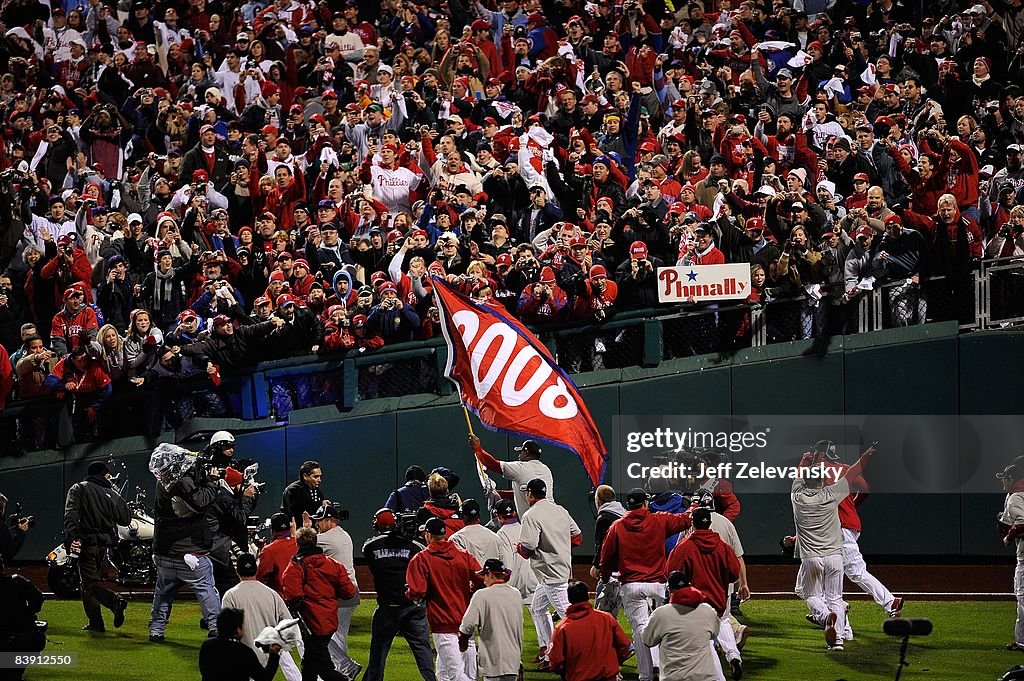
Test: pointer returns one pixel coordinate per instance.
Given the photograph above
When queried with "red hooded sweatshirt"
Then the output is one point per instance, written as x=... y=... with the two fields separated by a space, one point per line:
x=635 y=545
x=588 y=645
x=710 y=564
x=445 y=576
x=274 y=559
x=320 y=582
x=848 y=517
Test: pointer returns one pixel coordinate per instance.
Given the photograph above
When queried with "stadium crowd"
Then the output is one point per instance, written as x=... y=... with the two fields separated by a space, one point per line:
x=191 y=188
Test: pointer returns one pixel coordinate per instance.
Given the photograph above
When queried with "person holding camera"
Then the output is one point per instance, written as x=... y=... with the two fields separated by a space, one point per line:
x=228 y=517
x=636 y=278
x=12 y=536
x=313 y=583
x=388 y=554
x=70 y=267
x=116 y=296
x=337 y=544
x=182 y=542
x=1009 y=240
x=393 y=319
x=543 y=302
x=92 y=512
x=20 y=601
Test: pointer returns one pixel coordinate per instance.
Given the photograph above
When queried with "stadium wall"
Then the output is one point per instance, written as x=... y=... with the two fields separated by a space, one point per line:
x=921 y=370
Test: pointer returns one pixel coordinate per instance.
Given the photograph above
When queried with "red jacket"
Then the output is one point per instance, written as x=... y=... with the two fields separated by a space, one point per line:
x=445 y=576
x=726 y=501
x=635 y=545
x=859 y=488
x=588 y=645
x=585 y=306
x=319 y=582
x=449 y=515
x=710 y=564
x=74 y=331
x=80 y=271
x=274 y=559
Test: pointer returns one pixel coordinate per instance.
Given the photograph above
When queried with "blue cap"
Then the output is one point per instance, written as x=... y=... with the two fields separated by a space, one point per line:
x=114 y=260
x=99 y=210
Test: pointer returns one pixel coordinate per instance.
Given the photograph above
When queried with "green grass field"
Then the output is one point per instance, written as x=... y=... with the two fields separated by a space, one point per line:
x=968 y=643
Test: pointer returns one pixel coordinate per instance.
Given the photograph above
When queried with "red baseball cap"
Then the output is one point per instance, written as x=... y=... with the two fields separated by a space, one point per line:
x=754 y=225
x=638 y=250
x=861 y=177
x=547 y=276
x=386 y=287
x=503 y=260
x=598 y=272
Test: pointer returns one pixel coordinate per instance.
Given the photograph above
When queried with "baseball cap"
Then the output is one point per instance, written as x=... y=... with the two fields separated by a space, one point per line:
x=328 y=511
x=861 y=177
x=828 y=448
x=470 y=509
x=434 y=526
x=246 y=565
x=1013 y=472
x=636 y=498
x=638 y=251
x=536 y=487
x=505 y=507
x=221 y=320
x=863 y=231
x=494 y=565
x=530 y=446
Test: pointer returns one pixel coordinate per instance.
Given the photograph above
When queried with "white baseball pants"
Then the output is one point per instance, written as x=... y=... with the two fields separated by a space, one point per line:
x=857 y=570
x=548 y=596
x=639 y=599
x=452 y=663
x=1018 y=589
x=822 y=586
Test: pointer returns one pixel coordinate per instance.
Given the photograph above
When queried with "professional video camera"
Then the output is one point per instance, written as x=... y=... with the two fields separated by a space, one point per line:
x=408 y=526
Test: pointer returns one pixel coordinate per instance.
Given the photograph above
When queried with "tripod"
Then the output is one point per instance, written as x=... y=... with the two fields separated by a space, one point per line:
x=903 y=657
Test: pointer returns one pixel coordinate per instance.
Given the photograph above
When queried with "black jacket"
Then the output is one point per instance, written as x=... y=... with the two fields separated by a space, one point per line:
x=228 y=516
x=388 y=556
x=20 y=600
x=175 y=536
x=230 y=352
x=228 y=659
x=299 y=497
x=92 y=511
x=194 y=160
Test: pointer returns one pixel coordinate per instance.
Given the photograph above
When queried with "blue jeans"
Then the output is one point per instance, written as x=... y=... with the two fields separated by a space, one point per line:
x=171 y=575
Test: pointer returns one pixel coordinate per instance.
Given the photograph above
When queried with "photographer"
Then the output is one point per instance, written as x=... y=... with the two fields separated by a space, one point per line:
x=116 y=295
x=12 y=534
x=543 y=302
x=387 y=555
x=70 y=268
x=227 y=658
x=228 y=517
x=1009 y=240
x=636 y=279
x=393 y=319
x=182 y=541
x=92 y=512
x=20 y=601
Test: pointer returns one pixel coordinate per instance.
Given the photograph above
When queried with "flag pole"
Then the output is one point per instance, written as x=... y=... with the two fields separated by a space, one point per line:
x=479 y=466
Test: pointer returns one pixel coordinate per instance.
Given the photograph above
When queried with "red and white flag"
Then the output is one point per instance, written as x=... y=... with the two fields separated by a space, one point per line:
x=507 y=377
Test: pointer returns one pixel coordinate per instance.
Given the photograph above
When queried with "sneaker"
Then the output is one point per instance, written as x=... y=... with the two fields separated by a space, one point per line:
x=544 y=665
x=203 y=625
x=810 y=618
x=741 y=640
x=737 y=669
x=541 y=655
x=122 y=605
x=1014 y=646
x=98 y=628
x=156 y=638
x=837 y=647
x=897 y=607
x=831 y=635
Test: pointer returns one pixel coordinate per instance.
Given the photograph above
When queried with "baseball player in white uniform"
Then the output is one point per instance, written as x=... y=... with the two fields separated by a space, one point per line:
x=819 y=543
x=1011 y=526
x=547 y=536
x=528 y=467
x=853 y=562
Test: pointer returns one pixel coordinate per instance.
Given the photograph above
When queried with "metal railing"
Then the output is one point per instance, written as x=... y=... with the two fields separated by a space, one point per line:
x=989 y=296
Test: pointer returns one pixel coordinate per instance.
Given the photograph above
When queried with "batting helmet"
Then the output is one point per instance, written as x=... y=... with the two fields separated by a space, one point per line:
x=384 y=520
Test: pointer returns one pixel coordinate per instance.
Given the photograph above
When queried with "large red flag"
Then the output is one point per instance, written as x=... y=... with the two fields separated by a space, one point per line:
x=507 y=377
